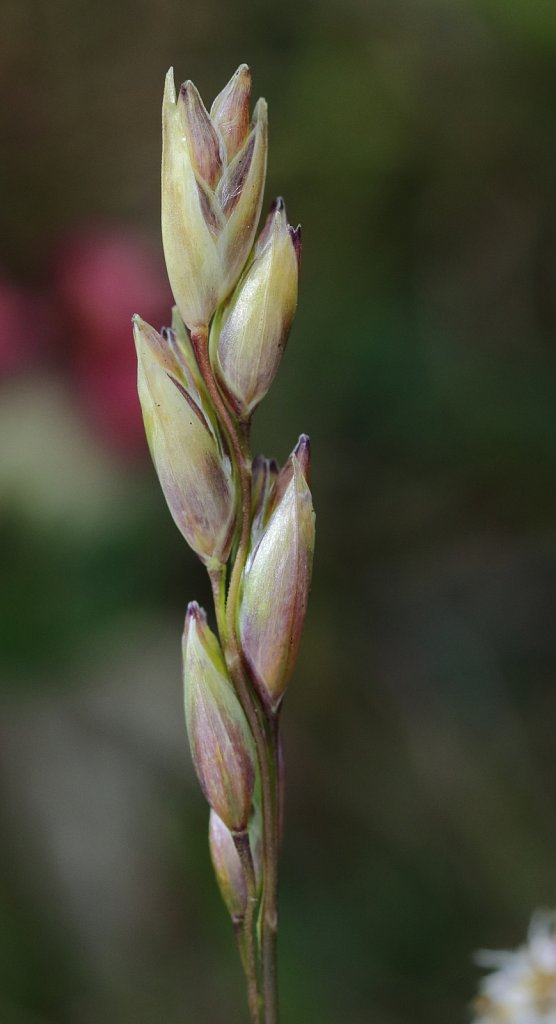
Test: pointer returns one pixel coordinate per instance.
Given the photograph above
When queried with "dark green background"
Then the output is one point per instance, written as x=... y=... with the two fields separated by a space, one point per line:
x=414 y=140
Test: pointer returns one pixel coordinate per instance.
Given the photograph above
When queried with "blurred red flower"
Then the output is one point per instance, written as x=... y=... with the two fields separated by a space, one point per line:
x=25 y=327
x=101 y=277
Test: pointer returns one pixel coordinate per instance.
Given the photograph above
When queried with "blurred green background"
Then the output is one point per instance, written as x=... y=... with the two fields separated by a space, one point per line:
x=414 y=140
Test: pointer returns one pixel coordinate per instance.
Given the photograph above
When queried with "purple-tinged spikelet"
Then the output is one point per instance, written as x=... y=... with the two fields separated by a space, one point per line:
x=249 y=336
x=221 y=743
x=276 y=583
x=194 y=470
x=213 y=173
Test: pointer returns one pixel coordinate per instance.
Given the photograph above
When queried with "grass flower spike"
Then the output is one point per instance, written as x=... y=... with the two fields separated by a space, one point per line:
x=227 y=864
x=227 y=868
x=276 y=589
x=221 y=744
x=248 y=340
x=213 y=172
x=194 y=470
x=251 y=523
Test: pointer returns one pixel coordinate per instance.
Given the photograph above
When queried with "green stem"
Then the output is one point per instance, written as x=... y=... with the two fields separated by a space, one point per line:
x=218 y=583
x=227 y=626
x=269 y=920
x=248 y=936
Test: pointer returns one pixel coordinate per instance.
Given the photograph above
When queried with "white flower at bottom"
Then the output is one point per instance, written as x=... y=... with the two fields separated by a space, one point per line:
x=522 y=987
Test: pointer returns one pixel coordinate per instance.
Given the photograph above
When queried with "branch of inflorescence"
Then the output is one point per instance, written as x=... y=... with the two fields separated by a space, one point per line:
x=263 y=725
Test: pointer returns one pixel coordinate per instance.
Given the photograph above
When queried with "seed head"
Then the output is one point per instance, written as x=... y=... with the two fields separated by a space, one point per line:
x=227 y=865
x=221 y=743
x=276 y=583
x=249 y=337
x=227 y=868
x=213 y=172
x=187 y=450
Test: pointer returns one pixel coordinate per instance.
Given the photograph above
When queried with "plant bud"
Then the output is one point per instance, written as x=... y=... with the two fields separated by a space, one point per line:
x=275 y=589
x=302 y=453
x=213 y=172
x=230 y=111
x=270 y=484
x=249 y=337
x=227 y=868
x=189 y=246
x=221 y=743
x=240 y=196
x=194 y=470
x=227 y=865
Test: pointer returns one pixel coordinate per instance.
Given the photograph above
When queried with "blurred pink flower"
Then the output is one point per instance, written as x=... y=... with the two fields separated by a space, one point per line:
x=25 y=327
x=101 y=277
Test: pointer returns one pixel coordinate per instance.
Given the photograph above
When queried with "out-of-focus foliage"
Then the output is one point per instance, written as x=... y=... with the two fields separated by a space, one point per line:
x=415 y=141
